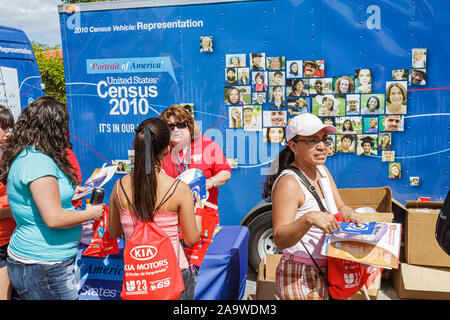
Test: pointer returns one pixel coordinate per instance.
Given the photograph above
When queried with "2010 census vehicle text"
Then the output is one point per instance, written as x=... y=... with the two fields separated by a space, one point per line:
x=127 y=61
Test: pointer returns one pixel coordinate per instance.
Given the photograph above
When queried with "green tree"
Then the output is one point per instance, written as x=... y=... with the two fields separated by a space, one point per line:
x=51 y=66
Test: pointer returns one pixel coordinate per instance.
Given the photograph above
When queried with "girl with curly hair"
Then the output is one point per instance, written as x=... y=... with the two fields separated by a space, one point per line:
x=41 y=183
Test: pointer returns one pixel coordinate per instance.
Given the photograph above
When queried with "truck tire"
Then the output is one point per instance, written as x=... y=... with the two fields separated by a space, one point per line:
x=260 y=241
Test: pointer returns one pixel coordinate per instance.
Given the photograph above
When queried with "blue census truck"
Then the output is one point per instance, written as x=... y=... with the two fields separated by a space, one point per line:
x=383 y=64
x=20 y=80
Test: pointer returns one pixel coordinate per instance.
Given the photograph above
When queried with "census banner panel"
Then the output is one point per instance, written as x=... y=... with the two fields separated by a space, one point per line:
x=125 y=65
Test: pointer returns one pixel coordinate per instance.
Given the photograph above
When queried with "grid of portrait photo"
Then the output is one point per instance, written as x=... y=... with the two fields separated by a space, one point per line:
x=263 y=92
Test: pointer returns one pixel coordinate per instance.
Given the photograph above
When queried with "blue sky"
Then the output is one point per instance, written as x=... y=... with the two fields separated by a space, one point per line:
x=38 y=18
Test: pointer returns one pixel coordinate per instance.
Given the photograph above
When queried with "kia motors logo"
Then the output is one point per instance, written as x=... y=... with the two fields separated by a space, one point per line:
x=144 y=252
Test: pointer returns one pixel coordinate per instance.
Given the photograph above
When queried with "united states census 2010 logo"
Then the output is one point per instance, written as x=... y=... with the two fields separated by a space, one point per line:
x=144 y=252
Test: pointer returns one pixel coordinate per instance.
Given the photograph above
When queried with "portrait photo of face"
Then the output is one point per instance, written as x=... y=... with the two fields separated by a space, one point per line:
x=313 y=68
x=370 y=124
x=276 y=78
x=331 y=145
x=418 y=77
x=252 y=115
x=236 y=60
x=345 y=143
x=419 y=57
x=363 y=81
x=275 y=63
x=259 y=98
x=344 y=84
x=257 y=61
x=396 y=96
x=400 y=74
x=367 y=145
x=414 y=181
x=329 y=121
x=276 y=97
x=328 y=105
x=390 y=123
x=298 y=106
x=294 y=69
x=349 y=125
x=123 y=166
x=273 y=135
x=243 y=76
x=260 y=81
x=232 y=95
x=231 y=76
x=352 y=104
x=395 y=170
x=297 y=87
x=384 y=140
x=235 y=116
x=206 y=44
x=372 y=104
x=274 y=118
x=388 y=156
x=320 y=86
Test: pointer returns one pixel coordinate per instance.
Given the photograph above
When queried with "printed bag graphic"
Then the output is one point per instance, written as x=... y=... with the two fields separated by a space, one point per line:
x=101 y=243
x=151 y=270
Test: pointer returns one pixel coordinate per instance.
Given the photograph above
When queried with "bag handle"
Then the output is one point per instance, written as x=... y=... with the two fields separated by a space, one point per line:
x=313 y=191
x=309 y=186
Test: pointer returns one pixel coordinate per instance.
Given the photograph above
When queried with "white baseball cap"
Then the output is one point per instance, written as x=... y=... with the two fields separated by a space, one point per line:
x=306 y=125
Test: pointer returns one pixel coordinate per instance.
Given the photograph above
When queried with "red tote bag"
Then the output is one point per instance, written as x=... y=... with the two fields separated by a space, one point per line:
x=101 y=243
x=151 y=269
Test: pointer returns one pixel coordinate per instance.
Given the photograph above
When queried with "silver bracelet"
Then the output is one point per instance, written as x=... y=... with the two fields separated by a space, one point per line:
x=213 y=181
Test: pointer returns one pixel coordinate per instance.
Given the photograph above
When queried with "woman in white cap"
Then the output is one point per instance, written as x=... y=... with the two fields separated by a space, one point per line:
x=329 y=105
x=298 y=222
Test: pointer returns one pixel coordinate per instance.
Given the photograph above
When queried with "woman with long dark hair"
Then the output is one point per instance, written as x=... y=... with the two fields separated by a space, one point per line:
x=156 y=197
x=41 y=183
x=298 y=222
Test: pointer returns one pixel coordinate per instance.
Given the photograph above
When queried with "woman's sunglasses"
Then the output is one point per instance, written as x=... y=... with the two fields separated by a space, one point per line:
x=179 y=125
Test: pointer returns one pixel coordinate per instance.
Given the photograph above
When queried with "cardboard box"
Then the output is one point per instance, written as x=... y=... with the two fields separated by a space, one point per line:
x=421 y=246
x=265 y=281
x=419 y=282
x=379 y=199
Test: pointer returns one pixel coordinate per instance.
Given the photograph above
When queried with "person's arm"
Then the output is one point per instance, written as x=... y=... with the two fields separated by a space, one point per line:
x=188 y=221
x=346 y=212
x=115 y=227
x=221 y=171
x=45 y=193
x=287 y=197
x=218 y=180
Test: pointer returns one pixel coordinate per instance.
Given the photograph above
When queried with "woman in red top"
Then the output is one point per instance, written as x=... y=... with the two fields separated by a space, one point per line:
x=7 y=223
x=190 y=149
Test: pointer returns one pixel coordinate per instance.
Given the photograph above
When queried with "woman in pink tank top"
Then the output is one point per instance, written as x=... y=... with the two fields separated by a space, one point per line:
x=298 y=222
x=156 y=198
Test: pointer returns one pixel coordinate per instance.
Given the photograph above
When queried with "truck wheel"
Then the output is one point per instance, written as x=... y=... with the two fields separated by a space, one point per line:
x=260 y=241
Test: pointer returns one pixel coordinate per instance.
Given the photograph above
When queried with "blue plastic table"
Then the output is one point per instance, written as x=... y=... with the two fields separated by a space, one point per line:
x=222 y=275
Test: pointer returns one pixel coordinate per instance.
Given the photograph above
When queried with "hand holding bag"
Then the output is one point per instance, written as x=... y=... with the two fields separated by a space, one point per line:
x=101 y=243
